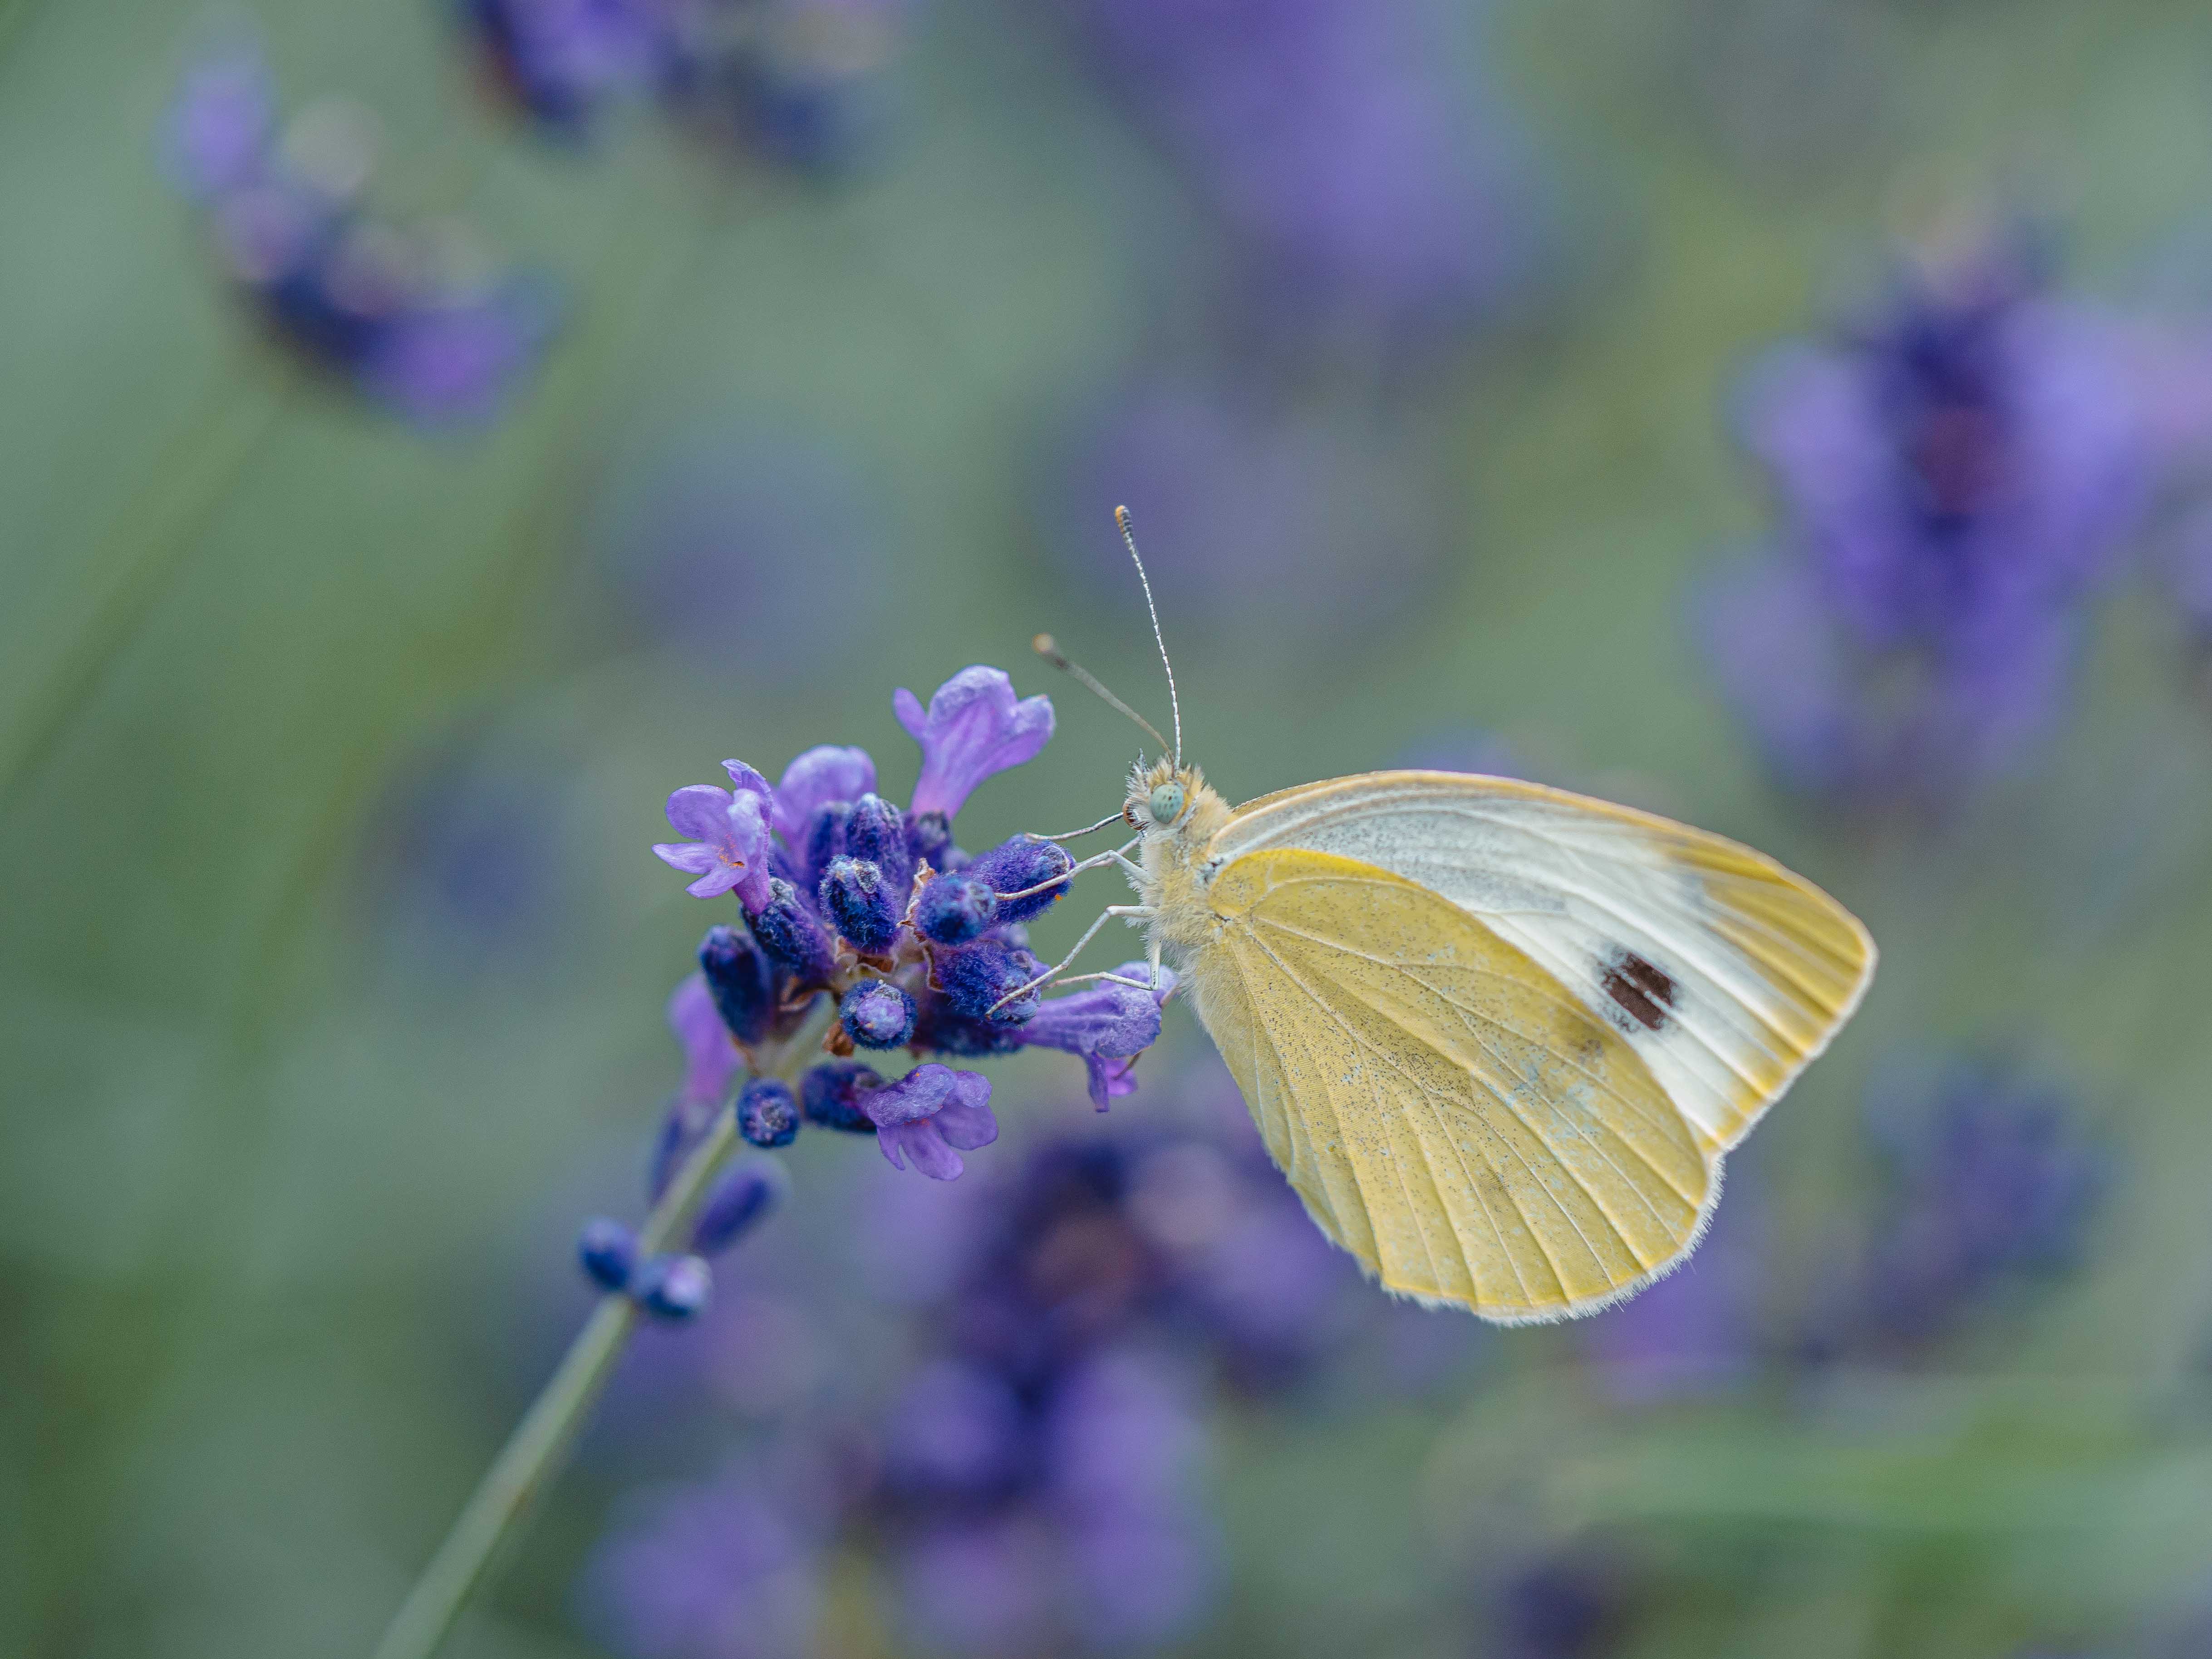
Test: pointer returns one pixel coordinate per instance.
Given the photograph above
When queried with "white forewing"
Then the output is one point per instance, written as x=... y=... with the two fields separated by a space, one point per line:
x=1724 y=971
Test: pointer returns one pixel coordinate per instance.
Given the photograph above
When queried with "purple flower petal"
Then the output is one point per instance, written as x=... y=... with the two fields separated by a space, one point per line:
x=743 y=778
x=1109 y=1019
x=729 y=843
x=968 y=1127
x=221 y=123
x=1108 y=1026
x=709 y=1056
x=924 y=1145
x=445 y=364
x=927 y=1113
x=921 y=1093
x=822 y=774
x=973 y=728
x=1108 y=1080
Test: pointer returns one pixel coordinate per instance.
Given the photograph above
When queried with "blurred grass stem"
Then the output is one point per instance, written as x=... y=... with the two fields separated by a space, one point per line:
x=132 y=565
x=539 y=1446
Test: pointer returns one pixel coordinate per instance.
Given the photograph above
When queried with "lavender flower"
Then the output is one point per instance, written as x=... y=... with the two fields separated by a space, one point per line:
x=739 y=1201
x=833 y=1096
x=930 y=1116
x=844 y=913
x=741 y=981
x=1109 y=1026
x=563 y=60
x=954 y=910
x=1034 y=1486
x=768 y=1113
x=729 y=841
x=1956 y=478
x=798 y=81
x=815 y=779
x=710 y=1058
x=877 y=1014
x=973 y=728
x=417 y=319
x=718 y=1571
x=1696 y=1331
x=791 y=80
x=1994 y=1184
x=221 y=123
x=1367 y=188
x=607 y=1251
x=674 y=1288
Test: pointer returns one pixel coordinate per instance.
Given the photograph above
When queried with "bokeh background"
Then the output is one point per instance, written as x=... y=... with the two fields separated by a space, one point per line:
x=428 y=437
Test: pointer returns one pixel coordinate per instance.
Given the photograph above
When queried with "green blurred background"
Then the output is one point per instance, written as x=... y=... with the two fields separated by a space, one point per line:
x=293 y=1155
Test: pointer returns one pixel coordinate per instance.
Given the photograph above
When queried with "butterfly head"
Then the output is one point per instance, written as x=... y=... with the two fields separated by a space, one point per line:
x=1165 y=799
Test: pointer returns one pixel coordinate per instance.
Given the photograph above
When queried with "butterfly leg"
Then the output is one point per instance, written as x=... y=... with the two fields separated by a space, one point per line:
x=1095 y=861
x=1061 y=967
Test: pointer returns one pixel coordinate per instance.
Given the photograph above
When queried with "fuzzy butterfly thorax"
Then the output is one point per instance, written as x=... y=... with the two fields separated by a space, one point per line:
x=1173 y=887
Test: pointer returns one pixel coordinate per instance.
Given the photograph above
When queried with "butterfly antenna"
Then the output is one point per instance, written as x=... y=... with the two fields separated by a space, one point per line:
x=1175 y=706
x=1046 y=647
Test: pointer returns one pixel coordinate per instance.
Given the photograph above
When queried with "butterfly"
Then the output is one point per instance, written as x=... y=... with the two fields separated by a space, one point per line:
x=1498 y=1036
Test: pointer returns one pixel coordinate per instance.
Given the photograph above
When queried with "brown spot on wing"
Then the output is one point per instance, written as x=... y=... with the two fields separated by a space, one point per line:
x=1644 y=991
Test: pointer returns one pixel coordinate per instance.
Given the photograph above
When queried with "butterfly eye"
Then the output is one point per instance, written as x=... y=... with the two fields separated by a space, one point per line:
x=1166 y=803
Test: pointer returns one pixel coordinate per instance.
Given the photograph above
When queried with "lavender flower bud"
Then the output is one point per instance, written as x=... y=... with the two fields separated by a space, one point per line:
x=767 y=1112
x=929 y=836
x=788 y=931
x=877 y=1014
x=740 y=980
x=858 y=903
x=833 y=1093
x=976 y=975
x=608 y=1251
x=954 y=909
x=824 y=838
x=741 y=1201
x=673 y=1287
x=876 y=832
x=1016 y=865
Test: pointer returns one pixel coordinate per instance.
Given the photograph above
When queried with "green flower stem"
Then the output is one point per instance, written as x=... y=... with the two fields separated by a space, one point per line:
x=540 y=1444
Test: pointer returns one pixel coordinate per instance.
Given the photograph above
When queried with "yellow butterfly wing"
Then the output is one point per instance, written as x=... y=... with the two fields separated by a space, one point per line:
x=1449 y=1112
x=1501 y=1035
x=1724 y=971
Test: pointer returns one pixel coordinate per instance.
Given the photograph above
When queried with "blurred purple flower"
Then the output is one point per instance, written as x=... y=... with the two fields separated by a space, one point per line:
x=1570 y=1604
x=1955 y=479
x=1122 y=1443
x=954 y=1428
x=728 y=847
x=415 y=319
x=221 y=122
x=930 y=1116
x=1371 y=180
x=454 y=362
x=1996 y=1182
x=798 y=81
x=794 y=80
x=561 y=59
x=981 y=1585
x=1697 y=1330
x=973 y=727
x=711 y=1571
x=710 y=1057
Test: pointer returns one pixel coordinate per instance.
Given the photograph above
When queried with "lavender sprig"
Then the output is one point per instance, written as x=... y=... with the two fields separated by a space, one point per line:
x=832 y=950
